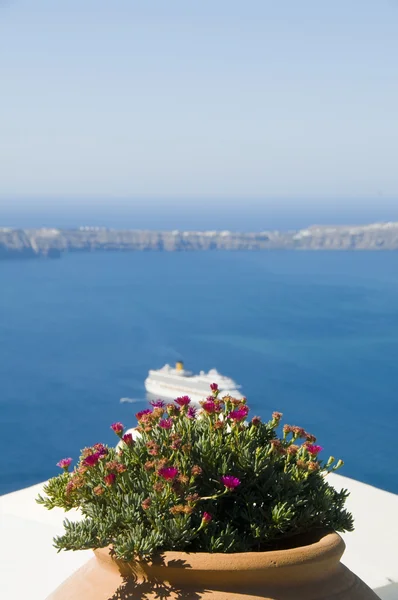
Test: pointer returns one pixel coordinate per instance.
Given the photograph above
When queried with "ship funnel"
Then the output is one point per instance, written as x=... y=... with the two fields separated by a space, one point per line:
x=179 y=366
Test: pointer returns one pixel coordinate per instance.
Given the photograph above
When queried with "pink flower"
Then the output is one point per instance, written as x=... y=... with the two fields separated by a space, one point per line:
x=230 y=482
x=157 y=403
x=209 y=406
x=206 y=518
x=166 y=423
x=118 y=428
x=64 y=463
x=214 y=388
x=142 y=413
x=313 y=448
x=168 y=473
x=191 y=412
x=101 y=449
x=110 y=479
x=128 y=439
x=183 y=401
x=239 y=414
x=277 y=416
x=92 y=460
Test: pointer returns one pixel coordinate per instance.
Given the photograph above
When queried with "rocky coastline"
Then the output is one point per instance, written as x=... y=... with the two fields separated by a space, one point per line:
x=52 y=243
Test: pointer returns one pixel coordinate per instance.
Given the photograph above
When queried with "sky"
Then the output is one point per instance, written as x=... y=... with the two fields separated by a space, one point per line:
x=256 y=104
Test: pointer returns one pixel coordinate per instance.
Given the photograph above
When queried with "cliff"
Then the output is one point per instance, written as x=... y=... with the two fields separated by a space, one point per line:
x=31 y=243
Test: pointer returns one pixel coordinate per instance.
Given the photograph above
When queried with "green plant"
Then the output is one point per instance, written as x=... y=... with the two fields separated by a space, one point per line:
x=206 y=482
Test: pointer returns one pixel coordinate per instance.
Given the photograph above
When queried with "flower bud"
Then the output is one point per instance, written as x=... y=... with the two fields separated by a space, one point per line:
x=339 y=464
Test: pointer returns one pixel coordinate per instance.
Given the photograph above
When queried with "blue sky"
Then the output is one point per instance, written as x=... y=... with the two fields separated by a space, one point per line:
x=276 y=102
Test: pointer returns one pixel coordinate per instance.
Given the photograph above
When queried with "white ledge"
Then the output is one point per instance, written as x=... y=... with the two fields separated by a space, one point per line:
x=27 y=530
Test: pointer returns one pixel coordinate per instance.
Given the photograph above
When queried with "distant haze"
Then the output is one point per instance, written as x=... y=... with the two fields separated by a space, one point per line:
x=166 y=214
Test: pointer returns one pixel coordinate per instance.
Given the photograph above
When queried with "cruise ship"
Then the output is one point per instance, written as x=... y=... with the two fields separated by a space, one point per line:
x=172 y=382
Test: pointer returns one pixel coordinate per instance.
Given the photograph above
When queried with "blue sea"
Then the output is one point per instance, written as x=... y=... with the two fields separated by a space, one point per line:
x=311 y=334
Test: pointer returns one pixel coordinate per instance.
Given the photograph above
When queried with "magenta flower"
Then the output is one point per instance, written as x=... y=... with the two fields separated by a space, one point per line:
x=191 y=412
x=230 y=482
x=209 y=406
x=183 y=401
x=101 y=449
x=168 y=473
x=206 y=518
x=239 y=414
x=128 y=439
x=314 y=449
x=64 y=463
x=118 y=428
x=166 y=423
x=157 y=403
x=92 y=459
x=110 y=479
x=214 y=388
x=142 y=413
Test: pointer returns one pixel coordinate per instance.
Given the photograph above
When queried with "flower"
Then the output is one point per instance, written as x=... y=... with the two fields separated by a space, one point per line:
x=99 y=490
x=146 y=503
x=276 y=416
x=153 y=448
x=64 y=463
x=118 y=428
x=109 y=479
x=157 y=403
x=183 y=401
x=74 y=483
x=176 y=444
x=313 y=466
x=168 y=473
x=206 y=518
x=299 y=432
x=239 y=414
x=191 y=412
x=278 y=446
x=101 y=449
x=230 y=482
x=196 y=470
x=313 y=448
x=209 y=406
x=128 y=439
x=92 y=459
x=214 y=388
x=142 y=413
x=157 y=413
x=256 y=421
x=166 y=423
x=177 y=510
x=114 y=465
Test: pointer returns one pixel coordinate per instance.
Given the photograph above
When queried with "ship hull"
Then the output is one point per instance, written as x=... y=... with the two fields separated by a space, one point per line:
x=173 y=390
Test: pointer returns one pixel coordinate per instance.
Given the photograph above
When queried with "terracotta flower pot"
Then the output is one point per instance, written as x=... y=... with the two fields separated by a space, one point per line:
x=309 y=572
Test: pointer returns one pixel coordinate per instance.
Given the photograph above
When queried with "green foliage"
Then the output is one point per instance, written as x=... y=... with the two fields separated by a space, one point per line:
x=164 y=489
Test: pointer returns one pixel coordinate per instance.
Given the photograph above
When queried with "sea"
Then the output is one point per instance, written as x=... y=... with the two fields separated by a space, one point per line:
x=311 y=334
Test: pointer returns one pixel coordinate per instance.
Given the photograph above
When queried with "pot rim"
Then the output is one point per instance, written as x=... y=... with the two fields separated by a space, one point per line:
x=328 y=548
